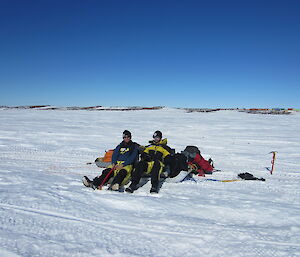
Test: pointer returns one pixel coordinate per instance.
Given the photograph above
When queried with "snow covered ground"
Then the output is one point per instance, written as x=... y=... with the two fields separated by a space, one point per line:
x=46 y=211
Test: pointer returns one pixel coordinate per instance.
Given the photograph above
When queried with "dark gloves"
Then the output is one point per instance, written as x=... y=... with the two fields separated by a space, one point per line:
x=146 y=157
x=249 y=176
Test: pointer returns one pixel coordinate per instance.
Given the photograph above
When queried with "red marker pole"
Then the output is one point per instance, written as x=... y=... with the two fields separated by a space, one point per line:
x=273 y=161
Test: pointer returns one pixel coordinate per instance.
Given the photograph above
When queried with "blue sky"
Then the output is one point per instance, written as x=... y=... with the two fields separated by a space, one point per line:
x=148 y=53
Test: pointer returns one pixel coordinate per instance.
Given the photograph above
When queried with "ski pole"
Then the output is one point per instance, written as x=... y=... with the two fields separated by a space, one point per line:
x=273 y=161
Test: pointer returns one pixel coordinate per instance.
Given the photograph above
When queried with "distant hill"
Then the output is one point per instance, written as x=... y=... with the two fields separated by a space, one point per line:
x=137 y=108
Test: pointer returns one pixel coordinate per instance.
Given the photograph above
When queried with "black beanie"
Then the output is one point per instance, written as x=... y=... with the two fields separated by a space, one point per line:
x=126 y=133
x=157 y=133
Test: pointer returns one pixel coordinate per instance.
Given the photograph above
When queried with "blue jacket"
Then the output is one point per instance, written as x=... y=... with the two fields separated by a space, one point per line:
x=125 y=152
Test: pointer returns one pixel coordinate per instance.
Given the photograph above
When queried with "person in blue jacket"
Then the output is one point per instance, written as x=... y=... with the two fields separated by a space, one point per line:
x=123 y=159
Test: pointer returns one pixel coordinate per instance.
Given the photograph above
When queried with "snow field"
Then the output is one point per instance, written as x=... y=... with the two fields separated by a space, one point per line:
x=46 y=211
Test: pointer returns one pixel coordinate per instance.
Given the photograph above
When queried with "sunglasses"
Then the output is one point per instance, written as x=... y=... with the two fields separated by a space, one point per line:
x=126 y=137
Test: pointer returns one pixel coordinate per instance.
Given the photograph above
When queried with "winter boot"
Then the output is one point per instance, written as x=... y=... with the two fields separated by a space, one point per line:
x=132 y=187
x=115 y=187
x=154 y=190
x=87 y=182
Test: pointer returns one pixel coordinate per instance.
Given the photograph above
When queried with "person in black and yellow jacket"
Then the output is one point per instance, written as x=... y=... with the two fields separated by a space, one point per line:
x=152 y=163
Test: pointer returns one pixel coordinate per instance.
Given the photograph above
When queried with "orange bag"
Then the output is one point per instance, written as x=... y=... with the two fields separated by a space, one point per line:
x=108 y=156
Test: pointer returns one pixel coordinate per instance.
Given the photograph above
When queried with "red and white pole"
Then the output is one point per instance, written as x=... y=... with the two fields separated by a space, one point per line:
x=273 y=161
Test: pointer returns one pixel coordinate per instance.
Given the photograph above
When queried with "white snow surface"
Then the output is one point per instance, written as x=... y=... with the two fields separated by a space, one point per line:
x=46 y=211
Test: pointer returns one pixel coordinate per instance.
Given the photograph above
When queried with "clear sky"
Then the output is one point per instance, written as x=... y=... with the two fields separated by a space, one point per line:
x=243 y=53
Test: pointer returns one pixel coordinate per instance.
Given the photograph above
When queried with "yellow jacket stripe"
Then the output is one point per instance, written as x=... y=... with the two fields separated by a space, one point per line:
x=157 y=148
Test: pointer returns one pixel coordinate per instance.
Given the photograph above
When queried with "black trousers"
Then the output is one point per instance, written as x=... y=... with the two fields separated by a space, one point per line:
x=97 y=181
x=142 y=168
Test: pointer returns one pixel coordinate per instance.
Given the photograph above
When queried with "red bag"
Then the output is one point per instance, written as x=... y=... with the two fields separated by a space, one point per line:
x=204 y=167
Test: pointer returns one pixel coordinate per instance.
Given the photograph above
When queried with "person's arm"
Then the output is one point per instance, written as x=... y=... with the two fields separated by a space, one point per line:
x=164 y=152
x=115 y=155
x=145 y=155
x=132 y=157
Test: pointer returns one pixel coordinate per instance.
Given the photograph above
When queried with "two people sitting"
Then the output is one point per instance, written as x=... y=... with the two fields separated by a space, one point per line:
x=125 y=157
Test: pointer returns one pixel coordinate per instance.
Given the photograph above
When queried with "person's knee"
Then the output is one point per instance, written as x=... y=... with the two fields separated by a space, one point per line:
x=156 y=165
x=122 y=172
x=141 y=165
x=106 y=171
